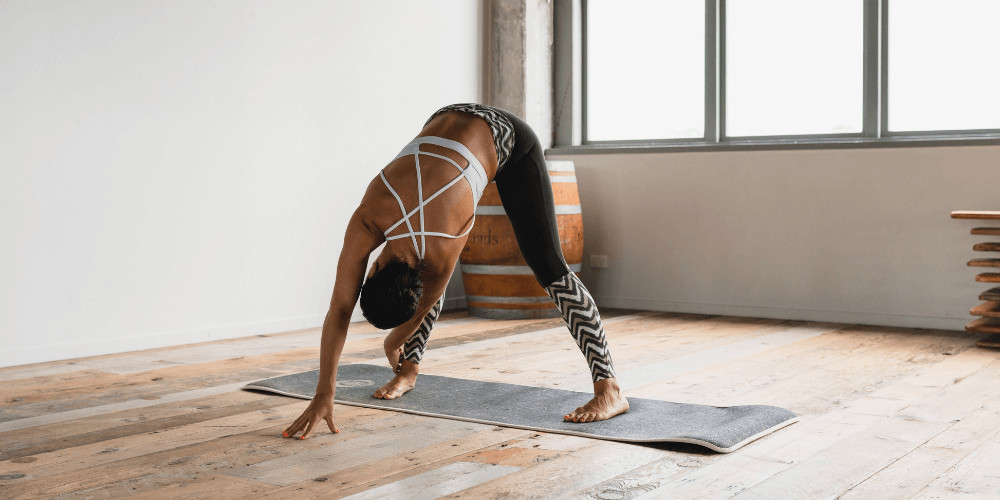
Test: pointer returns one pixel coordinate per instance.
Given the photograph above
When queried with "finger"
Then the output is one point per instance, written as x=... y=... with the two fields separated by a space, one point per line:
x=309 y=430
x=292 y=429
x=300 y=424
x=333 y=428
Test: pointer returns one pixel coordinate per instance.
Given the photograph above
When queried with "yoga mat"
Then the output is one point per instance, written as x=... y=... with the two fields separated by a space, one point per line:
x=722 y=429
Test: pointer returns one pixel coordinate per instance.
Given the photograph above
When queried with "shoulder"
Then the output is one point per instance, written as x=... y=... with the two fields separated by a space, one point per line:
x=363 y=221
x=363 y=233
x=376 y=202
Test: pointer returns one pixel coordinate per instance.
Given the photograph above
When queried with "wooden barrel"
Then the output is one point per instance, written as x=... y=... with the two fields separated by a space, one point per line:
x=498 y=282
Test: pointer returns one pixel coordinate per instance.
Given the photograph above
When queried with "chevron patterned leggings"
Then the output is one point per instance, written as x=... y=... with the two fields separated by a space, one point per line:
x=413 y=349
x=584 y=322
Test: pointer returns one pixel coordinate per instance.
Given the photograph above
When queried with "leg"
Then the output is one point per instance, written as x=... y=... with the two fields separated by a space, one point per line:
x=526 y=193
x=584 y=322
x=413 y=352
x=413 y=349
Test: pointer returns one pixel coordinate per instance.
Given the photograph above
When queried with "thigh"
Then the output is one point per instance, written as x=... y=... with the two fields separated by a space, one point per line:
x=526 y=194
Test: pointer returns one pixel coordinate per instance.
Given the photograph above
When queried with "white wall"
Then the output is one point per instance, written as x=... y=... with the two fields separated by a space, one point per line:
x=179 y=171
x=846 y=235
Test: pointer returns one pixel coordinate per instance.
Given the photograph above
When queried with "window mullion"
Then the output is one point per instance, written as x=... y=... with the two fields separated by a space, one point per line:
x=883 y=91
x=711 y=71
x=720 y=40
x=583 y=66
x=871 y=121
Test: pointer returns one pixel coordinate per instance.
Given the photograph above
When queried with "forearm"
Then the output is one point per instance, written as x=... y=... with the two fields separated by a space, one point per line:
x=399 y=335
x=331 y=348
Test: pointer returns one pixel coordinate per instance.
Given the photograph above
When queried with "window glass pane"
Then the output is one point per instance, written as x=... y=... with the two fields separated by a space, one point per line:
x=645 y=69
x=943 y=70
x=794 y=67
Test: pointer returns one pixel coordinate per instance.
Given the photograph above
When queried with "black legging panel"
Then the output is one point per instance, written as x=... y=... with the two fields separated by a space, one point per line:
x=526 y=194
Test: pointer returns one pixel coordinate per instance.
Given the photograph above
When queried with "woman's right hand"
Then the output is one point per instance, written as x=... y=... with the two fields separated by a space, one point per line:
x=320 y=408
x=394 y=355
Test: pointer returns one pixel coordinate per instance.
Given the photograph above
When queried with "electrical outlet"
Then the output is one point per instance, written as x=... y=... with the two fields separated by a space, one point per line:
x=598 y=261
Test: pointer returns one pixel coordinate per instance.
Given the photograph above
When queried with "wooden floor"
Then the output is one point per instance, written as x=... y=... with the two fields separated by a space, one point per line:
x=886 y=413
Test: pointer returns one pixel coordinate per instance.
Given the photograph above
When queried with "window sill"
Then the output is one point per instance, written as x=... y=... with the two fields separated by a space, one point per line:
x=777 y=144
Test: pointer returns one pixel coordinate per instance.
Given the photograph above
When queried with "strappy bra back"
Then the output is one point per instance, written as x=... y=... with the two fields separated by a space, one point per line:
x=474 y=174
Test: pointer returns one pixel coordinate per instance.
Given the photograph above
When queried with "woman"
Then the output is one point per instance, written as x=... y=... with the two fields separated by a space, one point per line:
x=422 y=205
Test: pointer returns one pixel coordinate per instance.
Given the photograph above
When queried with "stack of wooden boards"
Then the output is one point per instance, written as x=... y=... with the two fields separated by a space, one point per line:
x=989 y=311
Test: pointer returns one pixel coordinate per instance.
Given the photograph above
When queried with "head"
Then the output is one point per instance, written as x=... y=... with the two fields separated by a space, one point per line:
x=391 y=293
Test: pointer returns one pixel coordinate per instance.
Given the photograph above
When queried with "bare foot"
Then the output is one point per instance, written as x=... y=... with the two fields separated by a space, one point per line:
x=608 y=402
x=404 y=380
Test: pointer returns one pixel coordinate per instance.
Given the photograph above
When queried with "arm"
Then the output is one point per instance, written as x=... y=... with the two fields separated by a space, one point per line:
x=359 y=242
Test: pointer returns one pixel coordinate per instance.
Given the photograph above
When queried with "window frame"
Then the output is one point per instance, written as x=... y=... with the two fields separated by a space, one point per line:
x=570 y=99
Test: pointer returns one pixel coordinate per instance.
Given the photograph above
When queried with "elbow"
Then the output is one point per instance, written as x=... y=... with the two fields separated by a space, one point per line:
x=339 y=316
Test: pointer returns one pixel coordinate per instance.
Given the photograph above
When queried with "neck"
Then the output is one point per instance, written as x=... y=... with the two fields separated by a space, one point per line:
x=402 y=249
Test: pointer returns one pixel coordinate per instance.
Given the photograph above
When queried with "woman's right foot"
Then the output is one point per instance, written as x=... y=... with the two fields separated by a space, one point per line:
x=608 y=402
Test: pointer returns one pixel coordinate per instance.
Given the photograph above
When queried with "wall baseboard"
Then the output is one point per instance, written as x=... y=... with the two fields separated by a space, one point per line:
x=452 y=303
x=126 y=343
x=825 y=316
x=114 y=345
x=820 y=315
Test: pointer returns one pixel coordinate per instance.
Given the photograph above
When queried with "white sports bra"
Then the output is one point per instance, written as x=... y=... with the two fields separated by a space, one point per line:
x=475 y=174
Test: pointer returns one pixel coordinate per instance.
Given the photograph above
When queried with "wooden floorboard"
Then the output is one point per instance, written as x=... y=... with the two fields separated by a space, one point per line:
x=885 y=413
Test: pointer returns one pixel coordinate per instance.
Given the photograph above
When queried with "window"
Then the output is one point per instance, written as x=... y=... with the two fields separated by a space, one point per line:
x=788 y=77
x=746 y=71
x=943 y=70
x=641 y=95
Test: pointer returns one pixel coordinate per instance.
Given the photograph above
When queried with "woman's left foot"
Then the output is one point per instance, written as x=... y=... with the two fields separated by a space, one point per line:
x=608 y=402
x=404 y=380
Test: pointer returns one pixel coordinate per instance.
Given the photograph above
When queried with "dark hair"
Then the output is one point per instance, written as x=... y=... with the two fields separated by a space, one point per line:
x=389 y=297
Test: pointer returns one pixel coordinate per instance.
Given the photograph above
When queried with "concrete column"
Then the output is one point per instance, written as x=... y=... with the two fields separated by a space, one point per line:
x=518 y=61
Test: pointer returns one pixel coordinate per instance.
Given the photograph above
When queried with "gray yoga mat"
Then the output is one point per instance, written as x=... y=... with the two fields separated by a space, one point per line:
x=722 y=429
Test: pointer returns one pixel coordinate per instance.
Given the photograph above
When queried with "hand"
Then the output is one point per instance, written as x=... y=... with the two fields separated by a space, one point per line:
x=395 y=357
x=320 y=408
